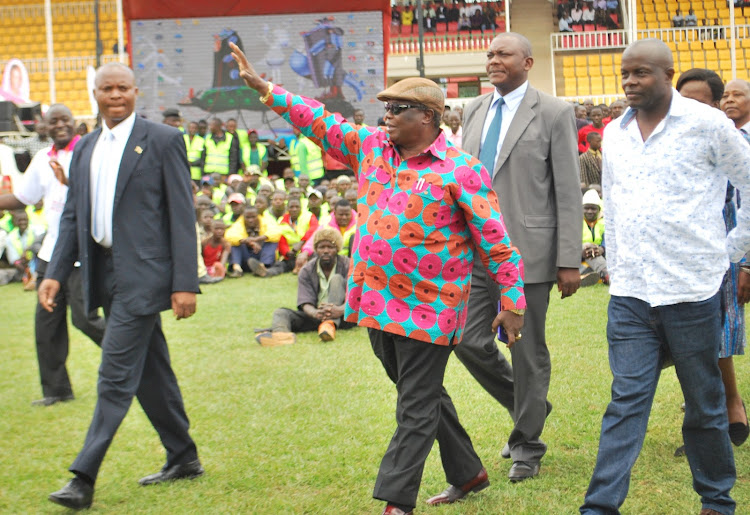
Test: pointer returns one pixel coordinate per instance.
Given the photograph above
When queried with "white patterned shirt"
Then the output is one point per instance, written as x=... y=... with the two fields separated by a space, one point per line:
x=666 y=239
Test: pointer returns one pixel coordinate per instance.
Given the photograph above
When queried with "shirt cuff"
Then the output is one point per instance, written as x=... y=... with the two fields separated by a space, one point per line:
x=512 y=297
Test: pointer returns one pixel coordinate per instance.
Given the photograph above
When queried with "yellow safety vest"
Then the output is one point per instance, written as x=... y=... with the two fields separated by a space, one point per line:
x=217 y=155
x=247 y=152
x=347 y=237
x=314 y=168
x=598 y=235
x=303 y=225
x=19 y=244
x=194 y=151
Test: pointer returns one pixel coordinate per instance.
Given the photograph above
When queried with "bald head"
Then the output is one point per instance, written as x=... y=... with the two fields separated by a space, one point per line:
x=109 y=68
x=60 y=125
x=735 y=102
x=523 y=43
x=653 y=50
x=647 y=70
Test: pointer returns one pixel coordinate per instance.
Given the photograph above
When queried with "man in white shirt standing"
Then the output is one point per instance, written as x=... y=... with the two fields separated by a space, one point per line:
x=666 y=268
x=43 y=180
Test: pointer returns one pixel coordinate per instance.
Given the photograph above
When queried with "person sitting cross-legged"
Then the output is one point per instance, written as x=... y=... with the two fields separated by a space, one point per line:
x=321 y=295
x=594 y=266
x=253 y=248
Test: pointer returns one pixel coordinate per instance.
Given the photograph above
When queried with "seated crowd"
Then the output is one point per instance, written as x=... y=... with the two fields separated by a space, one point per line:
x=443 y=17
x=577 y=15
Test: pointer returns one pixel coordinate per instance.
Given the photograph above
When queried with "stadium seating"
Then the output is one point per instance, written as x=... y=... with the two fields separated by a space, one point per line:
x=74 y=42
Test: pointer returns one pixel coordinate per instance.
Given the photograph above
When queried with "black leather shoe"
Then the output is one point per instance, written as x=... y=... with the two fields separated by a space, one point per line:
x=738 y=432
x=49 y=401
x=183 y=471
x=523 y=470
x=76 y=495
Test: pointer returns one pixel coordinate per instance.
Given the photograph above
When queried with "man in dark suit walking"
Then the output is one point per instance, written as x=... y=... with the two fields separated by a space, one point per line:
x=135 y=239
x=528 y=141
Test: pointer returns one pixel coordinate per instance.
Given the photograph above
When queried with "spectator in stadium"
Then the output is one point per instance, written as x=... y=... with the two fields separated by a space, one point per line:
x=454 y=13
x=612 y=6
x=296 y=227
x=252 y=249
x=306 y=157
x=202 y=128
x=343 y=183
x=477 y=20
x=594 y=266
x=565 y=22
x=253 y=182
x=242 y=138
x=43 y=180
x=205 y=222
x=22 y=245
x=82 y=129
x=395 y=20
x=172 y=117
x=317 y=207
x=596 y=126
x=407 y=20
x=237 y=204
x=411 y=354
x=359 y=117
x=195 y=145
x=661 y=302
x=222 y=151
x=215 y=250
x=254 y=153
x=321 y=295
x=454 y=130
x=581 y=118
x=464 y=23
x=588 y=14
x=343 y=220
x=261 y=203
x=591 y=160
x=441 y=16
x=303 y=181
x=677 y=19
x=589 y=105
x=691 y=20
x=615 y=110
x=576 y=14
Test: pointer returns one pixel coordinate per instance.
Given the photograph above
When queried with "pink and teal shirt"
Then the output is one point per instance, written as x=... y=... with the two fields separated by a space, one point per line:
x=419 y=222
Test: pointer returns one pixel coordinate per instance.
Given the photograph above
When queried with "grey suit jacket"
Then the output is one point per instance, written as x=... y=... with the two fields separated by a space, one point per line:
x=153 y=221
x=536 y=179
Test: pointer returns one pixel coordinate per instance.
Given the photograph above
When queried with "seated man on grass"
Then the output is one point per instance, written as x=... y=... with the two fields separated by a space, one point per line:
x=215 y=250
x=253 y=248
x=594 y=266
x=321 y=295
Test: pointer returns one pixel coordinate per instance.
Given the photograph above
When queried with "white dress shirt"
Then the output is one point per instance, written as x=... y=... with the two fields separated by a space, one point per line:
x=512 y=101
x=666 y=239
x=39 y=182
x=108 y=171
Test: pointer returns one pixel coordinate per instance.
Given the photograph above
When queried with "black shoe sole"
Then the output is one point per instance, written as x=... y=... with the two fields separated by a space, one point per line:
x=68 y=504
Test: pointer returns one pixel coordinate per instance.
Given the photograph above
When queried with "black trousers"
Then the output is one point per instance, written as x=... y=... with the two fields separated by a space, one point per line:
x=51 y=331
x=424 y=412
x=135 y=362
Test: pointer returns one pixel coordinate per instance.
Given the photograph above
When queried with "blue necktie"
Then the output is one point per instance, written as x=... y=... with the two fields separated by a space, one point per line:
x=489 y=147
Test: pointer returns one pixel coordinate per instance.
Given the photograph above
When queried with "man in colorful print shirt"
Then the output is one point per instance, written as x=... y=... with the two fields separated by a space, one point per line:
x=424 y=208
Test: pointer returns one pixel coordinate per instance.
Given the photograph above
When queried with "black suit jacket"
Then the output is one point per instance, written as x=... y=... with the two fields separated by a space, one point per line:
x=153 y=221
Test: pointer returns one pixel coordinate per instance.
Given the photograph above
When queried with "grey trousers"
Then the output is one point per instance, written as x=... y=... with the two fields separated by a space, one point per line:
x=521 y=389
x=287 y=320
x=424 y=413
x=51 y=331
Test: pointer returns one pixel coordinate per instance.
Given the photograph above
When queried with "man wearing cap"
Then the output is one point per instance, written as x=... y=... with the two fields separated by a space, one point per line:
x=173 y=118
x=237 y=205
x=253 y=182
x=592 y=254
x=528 y=142
x=255 y=153
x=321 y=295
x=424 y=208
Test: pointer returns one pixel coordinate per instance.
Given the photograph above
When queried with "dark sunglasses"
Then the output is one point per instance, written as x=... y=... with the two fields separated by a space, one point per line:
x=397 y=109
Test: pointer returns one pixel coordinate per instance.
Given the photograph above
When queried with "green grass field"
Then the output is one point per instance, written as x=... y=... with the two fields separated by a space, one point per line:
x=302 y=428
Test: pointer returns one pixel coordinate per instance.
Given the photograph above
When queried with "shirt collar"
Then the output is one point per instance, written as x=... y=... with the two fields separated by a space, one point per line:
x=512 y=99
x=437 y=148
x=122 y=130
x=68 y=148
x=678 y=106
x=746 y=127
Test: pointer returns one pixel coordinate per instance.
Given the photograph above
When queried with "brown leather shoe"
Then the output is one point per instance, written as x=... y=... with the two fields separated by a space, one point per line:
x=456 y=493
x=392 y=510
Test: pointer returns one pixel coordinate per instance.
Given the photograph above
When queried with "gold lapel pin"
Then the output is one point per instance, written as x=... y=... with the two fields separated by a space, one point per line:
x=138 y=150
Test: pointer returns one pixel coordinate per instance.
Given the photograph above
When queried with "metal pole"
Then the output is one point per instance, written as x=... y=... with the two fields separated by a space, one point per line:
x=507 y=15
x=99 y=47
x=732 y=50
x=50 y=51
x=420 y=19
x=122 y=56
